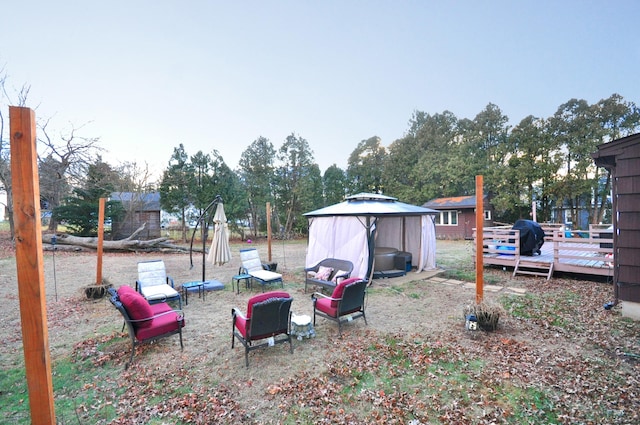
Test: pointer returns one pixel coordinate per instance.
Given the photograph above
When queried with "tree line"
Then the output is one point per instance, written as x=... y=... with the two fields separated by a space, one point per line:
x=541 y=161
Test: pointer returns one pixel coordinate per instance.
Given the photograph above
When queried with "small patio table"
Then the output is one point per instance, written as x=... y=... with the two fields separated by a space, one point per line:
x=191 y=286
x=235 y=281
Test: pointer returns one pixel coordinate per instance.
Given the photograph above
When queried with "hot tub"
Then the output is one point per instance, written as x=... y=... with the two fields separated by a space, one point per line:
x=384 y=258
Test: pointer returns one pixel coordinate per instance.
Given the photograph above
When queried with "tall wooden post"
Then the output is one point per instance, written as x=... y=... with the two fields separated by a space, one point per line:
x=269 y=231
x=100 y=240
x=29 y=262
x=479 y=241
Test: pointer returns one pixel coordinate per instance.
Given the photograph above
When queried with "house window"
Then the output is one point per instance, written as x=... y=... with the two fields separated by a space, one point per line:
x=447 y=218
x=487 y=215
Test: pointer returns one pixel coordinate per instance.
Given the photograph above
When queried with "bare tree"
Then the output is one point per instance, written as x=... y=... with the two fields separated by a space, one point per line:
x=5 y=154
x=67 y=158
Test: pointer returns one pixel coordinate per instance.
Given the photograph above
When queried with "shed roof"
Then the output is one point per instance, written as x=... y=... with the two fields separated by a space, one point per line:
x=370 y=204
x=453 y=202
x=149 y=201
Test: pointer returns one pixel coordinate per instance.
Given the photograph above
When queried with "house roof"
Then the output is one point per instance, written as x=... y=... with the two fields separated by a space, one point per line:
x=606 y=153
x=370 y=204
x=453 y=202
x=149 y=201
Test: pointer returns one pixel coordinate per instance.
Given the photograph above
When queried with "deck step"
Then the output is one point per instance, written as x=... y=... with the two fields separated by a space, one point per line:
x=533 y=268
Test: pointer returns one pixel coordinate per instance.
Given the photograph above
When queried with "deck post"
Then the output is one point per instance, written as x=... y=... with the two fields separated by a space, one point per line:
x=479 y=241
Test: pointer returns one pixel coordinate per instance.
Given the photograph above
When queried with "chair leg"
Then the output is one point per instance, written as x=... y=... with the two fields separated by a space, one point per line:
x=246 y=356
x=181 y=344
x=133 y=351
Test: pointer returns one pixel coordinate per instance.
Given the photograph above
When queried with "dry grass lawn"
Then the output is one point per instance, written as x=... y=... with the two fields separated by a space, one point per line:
x=557 y=356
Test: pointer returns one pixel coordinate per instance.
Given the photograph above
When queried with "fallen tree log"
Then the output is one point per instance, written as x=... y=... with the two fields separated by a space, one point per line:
x=128 y=244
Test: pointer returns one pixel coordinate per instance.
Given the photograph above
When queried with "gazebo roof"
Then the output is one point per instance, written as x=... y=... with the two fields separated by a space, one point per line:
x=370 y=204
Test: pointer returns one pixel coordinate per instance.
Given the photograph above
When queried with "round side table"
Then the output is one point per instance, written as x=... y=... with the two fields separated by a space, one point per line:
x=301 y=327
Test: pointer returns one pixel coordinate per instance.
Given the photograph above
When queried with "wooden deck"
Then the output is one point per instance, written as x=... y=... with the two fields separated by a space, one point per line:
x=582 y=252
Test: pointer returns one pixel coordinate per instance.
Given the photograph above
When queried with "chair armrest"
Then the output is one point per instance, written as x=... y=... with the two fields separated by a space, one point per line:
x=311 y=269
x=236 y=312
x=178 y=313
x=138 y=285
x=170 y=282
x=315 y=296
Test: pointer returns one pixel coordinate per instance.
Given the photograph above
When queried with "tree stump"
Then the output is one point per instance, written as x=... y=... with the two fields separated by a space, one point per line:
x=96 y=292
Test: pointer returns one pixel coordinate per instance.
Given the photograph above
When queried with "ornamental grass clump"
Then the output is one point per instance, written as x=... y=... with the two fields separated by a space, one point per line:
x=486 y=313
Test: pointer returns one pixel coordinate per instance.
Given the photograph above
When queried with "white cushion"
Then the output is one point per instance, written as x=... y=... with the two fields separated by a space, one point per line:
x=156 y=292
x=151 y=273
x=265 y=275
x=251 y=260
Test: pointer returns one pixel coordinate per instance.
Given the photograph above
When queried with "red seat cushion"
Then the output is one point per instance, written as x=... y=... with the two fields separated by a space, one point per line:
x=160 y=308
x=136 y=305
x=125 y=288
x=160 y=325
x=242 y=324
x=325 y=305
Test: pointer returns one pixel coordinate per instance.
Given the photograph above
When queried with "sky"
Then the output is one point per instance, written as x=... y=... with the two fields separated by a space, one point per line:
x=144 y=76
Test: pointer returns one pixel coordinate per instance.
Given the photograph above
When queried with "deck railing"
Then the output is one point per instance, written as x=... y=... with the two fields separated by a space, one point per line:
x=569 y=250
x=593 y=245
x=499 y=240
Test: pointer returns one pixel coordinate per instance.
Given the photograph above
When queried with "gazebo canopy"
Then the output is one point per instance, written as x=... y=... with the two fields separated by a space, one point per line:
x=371 y=204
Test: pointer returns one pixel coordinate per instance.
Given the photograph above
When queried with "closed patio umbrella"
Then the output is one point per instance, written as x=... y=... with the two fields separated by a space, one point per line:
x=220 y=252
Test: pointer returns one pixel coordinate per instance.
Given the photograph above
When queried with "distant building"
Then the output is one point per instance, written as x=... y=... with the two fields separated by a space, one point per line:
x=457 y=216
x=139 y=208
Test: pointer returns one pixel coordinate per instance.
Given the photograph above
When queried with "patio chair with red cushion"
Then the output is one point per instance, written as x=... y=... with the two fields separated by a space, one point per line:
x=345 y=304
x=267 y=321
x=146 y=322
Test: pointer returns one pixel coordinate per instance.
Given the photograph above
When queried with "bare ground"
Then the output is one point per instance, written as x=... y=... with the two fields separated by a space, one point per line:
x=417 y=306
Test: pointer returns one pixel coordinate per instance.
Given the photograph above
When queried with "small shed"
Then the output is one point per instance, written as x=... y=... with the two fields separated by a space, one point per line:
x=456 y=216
x=364 y=225
x=622 y=158
x=140 y=208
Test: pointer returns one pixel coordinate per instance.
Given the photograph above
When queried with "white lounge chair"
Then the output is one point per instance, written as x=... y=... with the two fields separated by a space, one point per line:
x=258 y=271
x=154 y=284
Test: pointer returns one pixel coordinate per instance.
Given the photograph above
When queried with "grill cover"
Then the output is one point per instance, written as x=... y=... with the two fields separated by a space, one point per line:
x=531 y=236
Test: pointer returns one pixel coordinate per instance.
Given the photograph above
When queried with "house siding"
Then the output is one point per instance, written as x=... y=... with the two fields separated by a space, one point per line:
x=622 y=158
x=465 y=205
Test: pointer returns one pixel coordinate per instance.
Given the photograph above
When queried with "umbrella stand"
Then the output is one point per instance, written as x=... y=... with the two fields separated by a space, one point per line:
x=205 y=228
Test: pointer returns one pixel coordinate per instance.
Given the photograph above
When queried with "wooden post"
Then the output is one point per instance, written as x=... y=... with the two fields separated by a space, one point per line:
x=533 y=211
x=100 y=240
x=479 y=241
x=29 y=262
x=269 y=231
